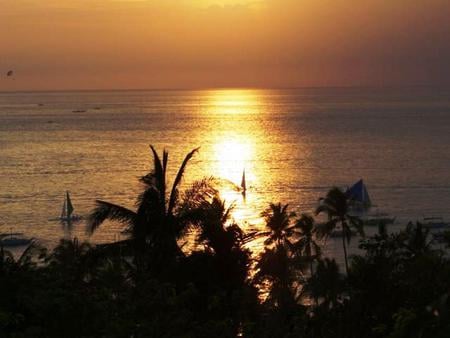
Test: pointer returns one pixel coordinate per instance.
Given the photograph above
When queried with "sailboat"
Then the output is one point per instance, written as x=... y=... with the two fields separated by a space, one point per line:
x=67 y=210
x=243 y=184
x=359 y=197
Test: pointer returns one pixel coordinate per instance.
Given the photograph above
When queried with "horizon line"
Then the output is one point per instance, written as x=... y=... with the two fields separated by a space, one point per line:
x=166 y=89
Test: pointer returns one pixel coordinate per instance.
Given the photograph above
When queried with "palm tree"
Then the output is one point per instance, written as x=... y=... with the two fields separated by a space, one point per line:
x=306 y=245
x=282 y=271
x=216 y=232
x=278 y=264
x=73 y=261
x=326 y=284
x=335 y=205
x=162 y=216
x=224 y=241
x=9 y=264
x=278 y=221
x=417 y=239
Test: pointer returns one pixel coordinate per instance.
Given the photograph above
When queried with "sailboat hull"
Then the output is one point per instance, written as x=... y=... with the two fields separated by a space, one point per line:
x=72 y=218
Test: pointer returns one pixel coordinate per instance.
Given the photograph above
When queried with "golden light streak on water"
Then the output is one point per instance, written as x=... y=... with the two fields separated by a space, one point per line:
x=236 y=149
x=234 y=101
x=294 y=145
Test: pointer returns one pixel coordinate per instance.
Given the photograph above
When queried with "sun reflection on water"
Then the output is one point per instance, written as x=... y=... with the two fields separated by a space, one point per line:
x=233 y=155
x=235 y=146
x=233 y=102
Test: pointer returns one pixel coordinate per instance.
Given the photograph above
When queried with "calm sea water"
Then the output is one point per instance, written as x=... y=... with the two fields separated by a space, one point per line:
x=293 y=144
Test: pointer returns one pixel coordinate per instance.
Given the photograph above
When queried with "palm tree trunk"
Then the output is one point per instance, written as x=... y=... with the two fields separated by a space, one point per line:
x=308 y=249
x=345 y=251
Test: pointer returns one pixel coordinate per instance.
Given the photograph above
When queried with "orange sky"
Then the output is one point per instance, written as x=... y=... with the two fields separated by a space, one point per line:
x=113 y=44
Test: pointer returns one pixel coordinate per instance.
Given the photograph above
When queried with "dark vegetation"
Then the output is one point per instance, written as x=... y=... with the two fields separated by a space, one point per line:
x=150 y=285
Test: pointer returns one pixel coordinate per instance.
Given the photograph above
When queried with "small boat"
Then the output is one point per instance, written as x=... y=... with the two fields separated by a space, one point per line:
x=375 y=220
x=67 y=214
x=435 y=223
x=14 y=239
x=441 y=236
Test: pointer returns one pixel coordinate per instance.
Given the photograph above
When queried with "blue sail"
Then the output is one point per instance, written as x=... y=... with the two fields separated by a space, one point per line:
x=358 y=193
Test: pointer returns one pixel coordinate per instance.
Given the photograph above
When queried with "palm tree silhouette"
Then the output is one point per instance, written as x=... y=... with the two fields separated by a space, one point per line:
x=24 y=262
x=306 y=245
x=225 y=241
x=335 y=205
x=282 y=270
x=326 y=284
x=278 y=264
x=216 y=232
x=278 y=221
x=417 y=239
x=162 y=216
x=73 y=261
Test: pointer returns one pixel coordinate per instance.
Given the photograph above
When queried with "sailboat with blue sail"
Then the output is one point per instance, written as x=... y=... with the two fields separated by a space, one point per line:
x=359 y=196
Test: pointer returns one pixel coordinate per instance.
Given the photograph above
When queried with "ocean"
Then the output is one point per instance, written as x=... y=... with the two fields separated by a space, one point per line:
x=293 y=144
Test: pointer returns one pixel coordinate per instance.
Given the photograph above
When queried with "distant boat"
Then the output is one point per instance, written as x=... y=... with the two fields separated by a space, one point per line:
x=243 y=183
x=435 y=223
x=67 y=210
x=441 y=236
x=377 y=218
x=375 y=221
x=14 y=239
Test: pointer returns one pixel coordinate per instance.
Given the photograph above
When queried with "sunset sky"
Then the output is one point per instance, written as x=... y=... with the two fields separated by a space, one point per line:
x=125 y=44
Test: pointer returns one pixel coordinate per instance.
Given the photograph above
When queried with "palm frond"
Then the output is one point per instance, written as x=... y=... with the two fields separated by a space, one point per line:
x=31 y=249
x=249 y=237
x=159 y=173
x=105 y=210
x=165 y=160
x=148 y=202
x=149 y=179
x=201 y=191
x=322 y=208
x=5 y=255
x=325 y=229
x=176 y=182
x=305 y=224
